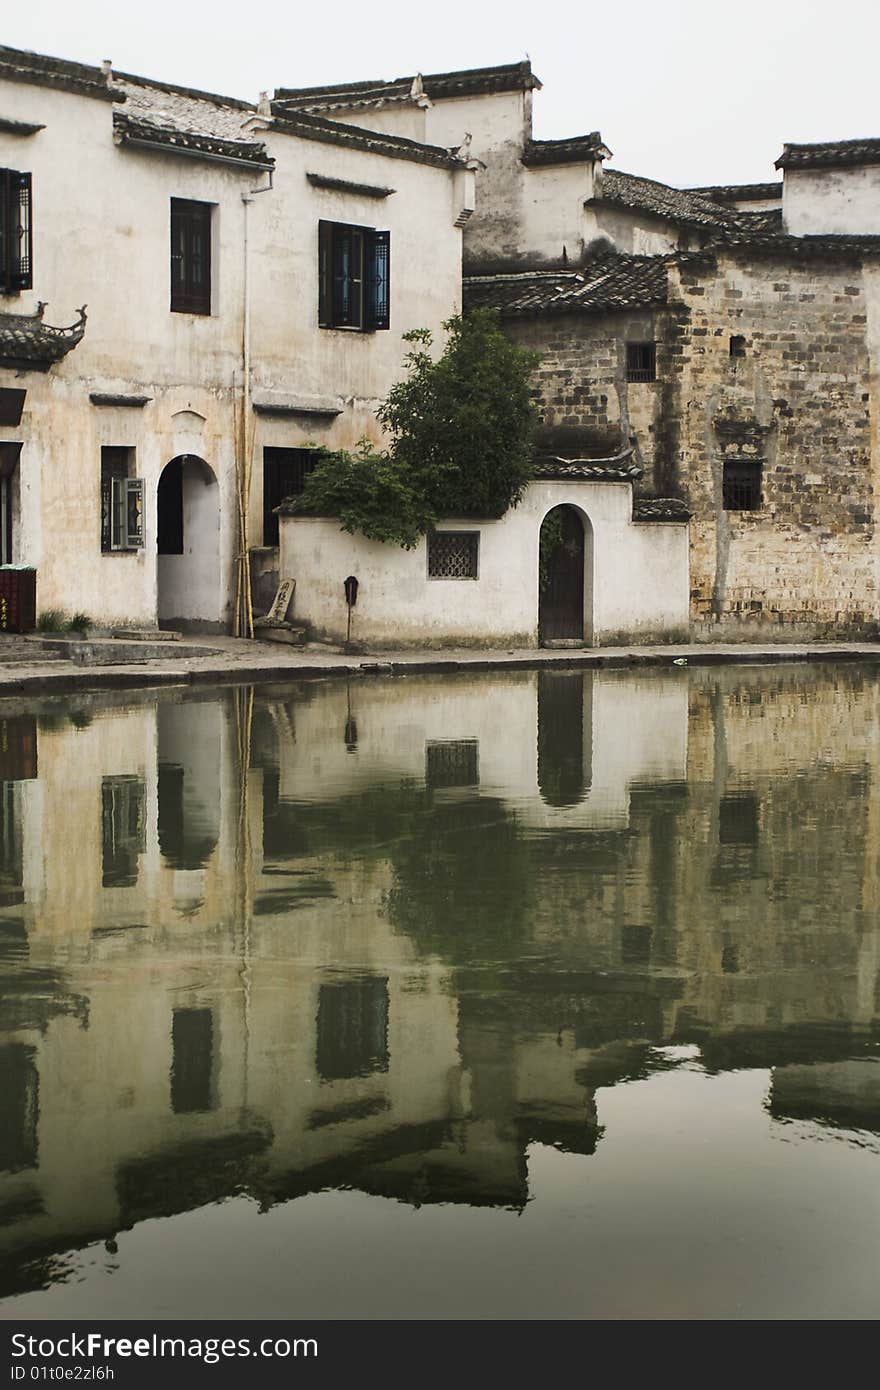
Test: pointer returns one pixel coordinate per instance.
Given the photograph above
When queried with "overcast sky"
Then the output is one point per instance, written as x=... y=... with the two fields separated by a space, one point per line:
x=687 y=91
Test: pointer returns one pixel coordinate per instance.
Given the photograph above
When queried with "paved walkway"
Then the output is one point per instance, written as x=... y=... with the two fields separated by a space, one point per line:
x=24 y=667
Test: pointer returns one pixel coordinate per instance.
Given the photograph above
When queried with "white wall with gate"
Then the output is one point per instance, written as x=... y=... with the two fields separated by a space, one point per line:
x=638 y=589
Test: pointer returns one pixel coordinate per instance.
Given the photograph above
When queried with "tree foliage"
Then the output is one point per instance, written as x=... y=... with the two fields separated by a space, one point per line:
x=460 y=430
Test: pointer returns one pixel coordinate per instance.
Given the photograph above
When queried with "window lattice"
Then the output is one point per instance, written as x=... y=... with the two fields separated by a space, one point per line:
x=741 y=485
x=641 y=362
x=453 y=554
x=452 y=763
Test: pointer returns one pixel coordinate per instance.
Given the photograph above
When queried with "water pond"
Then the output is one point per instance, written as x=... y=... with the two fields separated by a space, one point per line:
x=526 y=995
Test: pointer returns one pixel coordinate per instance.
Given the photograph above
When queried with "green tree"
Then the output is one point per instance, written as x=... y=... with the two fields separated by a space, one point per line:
x=460 y=430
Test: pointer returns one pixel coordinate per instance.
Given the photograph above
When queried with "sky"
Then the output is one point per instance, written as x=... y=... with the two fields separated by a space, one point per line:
x=686 y=91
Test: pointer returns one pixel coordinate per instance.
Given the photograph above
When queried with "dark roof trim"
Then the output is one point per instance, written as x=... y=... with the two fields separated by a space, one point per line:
x=578 y=149
x=800 y=248
x=739 y=192
x=507 y=77
x=660 y=509
x=19 y=65
x=839 y=154
x=310 y=406
x=108 y=398
x=10 y=127
x=336 y=133
x=366 y=190
x=26 y=342
x=618 y=469
x=161 y=140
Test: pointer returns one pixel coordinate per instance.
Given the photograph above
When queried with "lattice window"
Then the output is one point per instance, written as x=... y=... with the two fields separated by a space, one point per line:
x=16 y=236
x=641 y=362
x=741 y=485
x=452 y=763
x=453 y=555
x=352 y=1028
x=354 y=277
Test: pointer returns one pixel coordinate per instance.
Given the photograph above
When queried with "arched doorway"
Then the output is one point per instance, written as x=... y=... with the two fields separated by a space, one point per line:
x=565 y=578
x=188 y=544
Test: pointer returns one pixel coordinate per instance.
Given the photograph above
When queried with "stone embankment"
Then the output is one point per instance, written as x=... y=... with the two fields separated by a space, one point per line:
x=29 y=667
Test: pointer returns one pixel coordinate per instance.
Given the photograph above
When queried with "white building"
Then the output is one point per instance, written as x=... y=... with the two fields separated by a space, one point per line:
x=248 y=279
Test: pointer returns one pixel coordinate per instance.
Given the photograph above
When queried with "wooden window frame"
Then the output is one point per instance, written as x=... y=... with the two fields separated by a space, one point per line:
x=438 y=540
x=354 y=277
x=190 y=294
x=16 y=232
x=122 y=502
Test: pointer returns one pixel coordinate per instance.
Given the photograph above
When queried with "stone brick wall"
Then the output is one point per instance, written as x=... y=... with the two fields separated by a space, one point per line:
x=804 y=563
x=581 y=380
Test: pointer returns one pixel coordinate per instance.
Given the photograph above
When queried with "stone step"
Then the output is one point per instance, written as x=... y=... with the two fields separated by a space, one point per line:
x=110 y=651
x=146 y=634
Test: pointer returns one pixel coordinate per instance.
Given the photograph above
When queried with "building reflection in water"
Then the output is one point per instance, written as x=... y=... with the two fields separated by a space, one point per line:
x=272 y=960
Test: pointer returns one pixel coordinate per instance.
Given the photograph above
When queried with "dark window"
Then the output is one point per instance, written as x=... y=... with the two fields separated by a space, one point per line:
x=354 y=275
x=641 y=362
x=19 y=1108
x=284 y=475
x=123 y=830
x=169 y=509
x=122 y=501
x=742 y=485
x=738 y=820
x=192 y=1066
x=11 y=405
x=453 y=554
x=452 y=763
x=16 y=237
x=635 y=945
x=352 y=1028
x=9 y=489
x=187 y=825
x=11 y=859
x=737 y=346
x=190 y=257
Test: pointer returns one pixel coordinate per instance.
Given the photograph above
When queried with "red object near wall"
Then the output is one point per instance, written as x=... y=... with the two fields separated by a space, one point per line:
x=18 y=599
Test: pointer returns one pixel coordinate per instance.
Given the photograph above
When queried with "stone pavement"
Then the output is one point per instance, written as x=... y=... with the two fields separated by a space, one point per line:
x=26 y=668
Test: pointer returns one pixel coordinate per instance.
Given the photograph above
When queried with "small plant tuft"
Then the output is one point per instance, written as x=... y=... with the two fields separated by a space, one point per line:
x=80 y=622
x=51 y=620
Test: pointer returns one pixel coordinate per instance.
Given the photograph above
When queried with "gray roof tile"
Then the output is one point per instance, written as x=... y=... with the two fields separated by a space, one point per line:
x=611 y=282
x=830 y=153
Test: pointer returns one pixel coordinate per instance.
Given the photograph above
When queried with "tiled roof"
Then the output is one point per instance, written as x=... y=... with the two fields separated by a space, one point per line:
x=134 y=132
x=309 y=127
x=27 y=342
x=800 y=247
x=618 y=469
x=660 y=200
x=739 y=192
x=509 y=77
x=660 y=509
x=197 y=121
x=610 y=282
x=573 y=151
x=181 y=108
x=832 y=153
x=18 y=65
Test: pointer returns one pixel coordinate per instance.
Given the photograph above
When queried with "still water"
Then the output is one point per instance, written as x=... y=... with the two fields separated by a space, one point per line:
x=527 y=995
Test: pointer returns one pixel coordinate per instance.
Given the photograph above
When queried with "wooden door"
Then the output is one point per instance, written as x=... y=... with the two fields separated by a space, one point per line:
x=561 y=603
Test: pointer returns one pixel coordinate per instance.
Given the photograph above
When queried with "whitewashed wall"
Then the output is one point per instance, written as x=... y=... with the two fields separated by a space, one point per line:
x=831 y=201
x=102 y=237
x=638 y=587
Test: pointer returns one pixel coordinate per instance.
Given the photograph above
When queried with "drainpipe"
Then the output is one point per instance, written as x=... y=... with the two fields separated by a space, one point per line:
x=243 y=620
